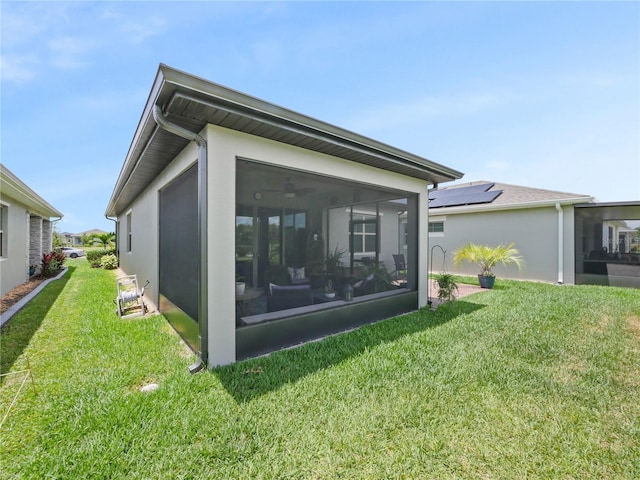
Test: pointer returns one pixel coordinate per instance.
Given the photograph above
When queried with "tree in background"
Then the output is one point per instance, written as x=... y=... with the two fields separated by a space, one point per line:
x=86 y=239
x=57 y=240
x=105 y=239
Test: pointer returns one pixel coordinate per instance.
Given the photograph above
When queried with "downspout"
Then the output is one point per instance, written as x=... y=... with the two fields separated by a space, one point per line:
x=115 y=229
x=53 y=227
x=560 y=244
x=203 y=317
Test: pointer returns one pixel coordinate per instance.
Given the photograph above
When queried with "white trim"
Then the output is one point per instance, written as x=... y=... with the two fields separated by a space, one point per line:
x=514 y=206
x=364 y=212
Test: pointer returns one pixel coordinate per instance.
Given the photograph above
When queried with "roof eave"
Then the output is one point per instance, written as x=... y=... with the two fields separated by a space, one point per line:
x=14 y=188
x=169 y=80
x=575 y=201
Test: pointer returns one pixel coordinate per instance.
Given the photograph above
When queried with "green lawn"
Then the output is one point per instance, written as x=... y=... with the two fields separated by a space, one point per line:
x=524 y=381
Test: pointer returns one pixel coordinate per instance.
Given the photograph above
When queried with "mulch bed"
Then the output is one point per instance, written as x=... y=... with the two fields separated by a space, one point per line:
x=15 y=295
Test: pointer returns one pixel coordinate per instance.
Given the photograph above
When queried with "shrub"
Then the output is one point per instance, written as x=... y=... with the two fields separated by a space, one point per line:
x=52 y=262
x=109 y=262
x=94 y=257
x=447 y=287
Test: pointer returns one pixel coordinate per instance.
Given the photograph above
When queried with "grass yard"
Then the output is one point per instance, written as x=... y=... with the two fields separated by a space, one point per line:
x=525 y=381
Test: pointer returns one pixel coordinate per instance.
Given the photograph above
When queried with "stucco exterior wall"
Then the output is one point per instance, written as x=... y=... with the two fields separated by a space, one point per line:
x=14 y=266
x=142 y=260
x=224 y=147
x=533 y=230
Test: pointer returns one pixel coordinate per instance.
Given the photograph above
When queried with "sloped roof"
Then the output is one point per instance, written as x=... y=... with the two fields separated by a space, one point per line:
x=14 y=188
x=193 y=102
x=513 y=196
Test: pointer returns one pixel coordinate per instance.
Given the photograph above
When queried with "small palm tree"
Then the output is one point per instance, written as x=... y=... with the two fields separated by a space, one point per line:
x=488 y=257
x=104 y=239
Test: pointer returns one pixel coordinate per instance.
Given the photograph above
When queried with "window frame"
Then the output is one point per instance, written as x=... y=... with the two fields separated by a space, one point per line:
x=129 y=235
x=360 y=237
x=4 y=220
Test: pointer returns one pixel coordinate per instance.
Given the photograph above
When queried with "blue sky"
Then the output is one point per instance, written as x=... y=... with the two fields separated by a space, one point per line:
x=543 y=94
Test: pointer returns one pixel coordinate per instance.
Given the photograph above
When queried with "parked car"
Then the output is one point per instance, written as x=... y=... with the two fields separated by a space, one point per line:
x=73 y=252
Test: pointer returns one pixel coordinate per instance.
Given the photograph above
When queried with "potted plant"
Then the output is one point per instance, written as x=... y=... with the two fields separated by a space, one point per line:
x=486 y=258
x=240 y=285
x=329 y=291
x=447 y=287
x=333 y=262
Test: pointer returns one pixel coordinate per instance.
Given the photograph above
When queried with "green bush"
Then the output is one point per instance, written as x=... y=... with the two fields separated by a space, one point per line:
x=52 y=263
x=94 y=257
x=109 y=262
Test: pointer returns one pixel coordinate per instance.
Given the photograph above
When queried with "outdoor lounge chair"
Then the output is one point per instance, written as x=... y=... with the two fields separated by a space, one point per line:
x=283 y=297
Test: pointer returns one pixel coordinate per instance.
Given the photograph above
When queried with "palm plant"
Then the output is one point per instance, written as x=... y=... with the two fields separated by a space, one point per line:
x=447 y=287
x=487 y=257
x=104 y=239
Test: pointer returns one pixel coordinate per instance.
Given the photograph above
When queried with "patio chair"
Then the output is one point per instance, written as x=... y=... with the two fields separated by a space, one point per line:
x=401 y=265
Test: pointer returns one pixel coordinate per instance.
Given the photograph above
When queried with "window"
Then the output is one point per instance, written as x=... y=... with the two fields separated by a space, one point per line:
x=129 y=243
x=436 y=227
x=364 y=233
x=3 y=231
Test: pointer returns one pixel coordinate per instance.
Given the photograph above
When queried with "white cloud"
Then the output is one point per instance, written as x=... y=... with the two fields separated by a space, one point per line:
x=69 y=53
x=137 y=30
x=18 y=68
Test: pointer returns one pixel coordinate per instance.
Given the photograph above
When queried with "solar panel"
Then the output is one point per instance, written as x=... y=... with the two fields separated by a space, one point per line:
x=472 y=195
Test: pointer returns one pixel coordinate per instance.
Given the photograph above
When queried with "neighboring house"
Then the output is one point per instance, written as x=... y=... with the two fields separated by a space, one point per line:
x=554 y=231
x=26 y=230
x=218 y=184
x=75 y=239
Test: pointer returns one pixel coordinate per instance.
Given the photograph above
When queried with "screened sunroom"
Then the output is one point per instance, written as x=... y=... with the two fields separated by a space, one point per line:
x=260 y=228
x=308 y=244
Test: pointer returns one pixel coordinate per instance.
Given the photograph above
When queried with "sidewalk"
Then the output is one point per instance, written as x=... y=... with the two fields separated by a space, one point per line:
x=463 y=290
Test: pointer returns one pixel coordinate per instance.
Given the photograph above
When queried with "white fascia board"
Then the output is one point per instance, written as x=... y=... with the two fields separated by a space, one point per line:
x=12 y=187
x=512 y=206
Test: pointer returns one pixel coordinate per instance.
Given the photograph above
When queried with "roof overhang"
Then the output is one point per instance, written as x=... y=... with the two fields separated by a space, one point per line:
x=510 y=206
x=192 y=103
x=612 y=210
x=14 y=188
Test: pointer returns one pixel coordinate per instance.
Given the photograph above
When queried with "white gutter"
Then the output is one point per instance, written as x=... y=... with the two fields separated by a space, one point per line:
x=203 y=316
x=560 y=243
x=509 y=206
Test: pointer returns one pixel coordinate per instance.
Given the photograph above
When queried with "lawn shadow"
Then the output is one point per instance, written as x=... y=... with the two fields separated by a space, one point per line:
x=16 y=334
x=252 y=378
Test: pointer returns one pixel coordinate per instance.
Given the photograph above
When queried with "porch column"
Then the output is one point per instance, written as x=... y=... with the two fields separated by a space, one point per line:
x=423 y=248
x=221 y=245
x=35 y=241
x=47 y=236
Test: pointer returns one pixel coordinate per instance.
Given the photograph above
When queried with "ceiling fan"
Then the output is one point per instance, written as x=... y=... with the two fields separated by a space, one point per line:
x=290 y=191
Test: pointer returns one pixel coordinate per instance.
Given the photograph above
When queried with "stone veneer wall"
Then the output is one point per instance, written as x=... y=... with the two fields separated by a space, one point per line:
x=47 y=236
x=35 y=241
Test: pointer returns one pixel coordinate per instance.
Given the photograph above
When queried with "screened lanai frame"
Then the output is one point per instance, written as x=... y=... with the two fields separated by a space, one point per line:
x=607 y=244
x=293 y=219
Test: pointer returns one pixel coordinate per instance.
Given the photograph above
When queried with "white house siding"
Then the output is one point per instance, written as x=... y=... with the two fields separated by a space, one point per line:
x=224 y=147
x=533 y=230
x=28 y=237
x=142 y=260
x=14 y=265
